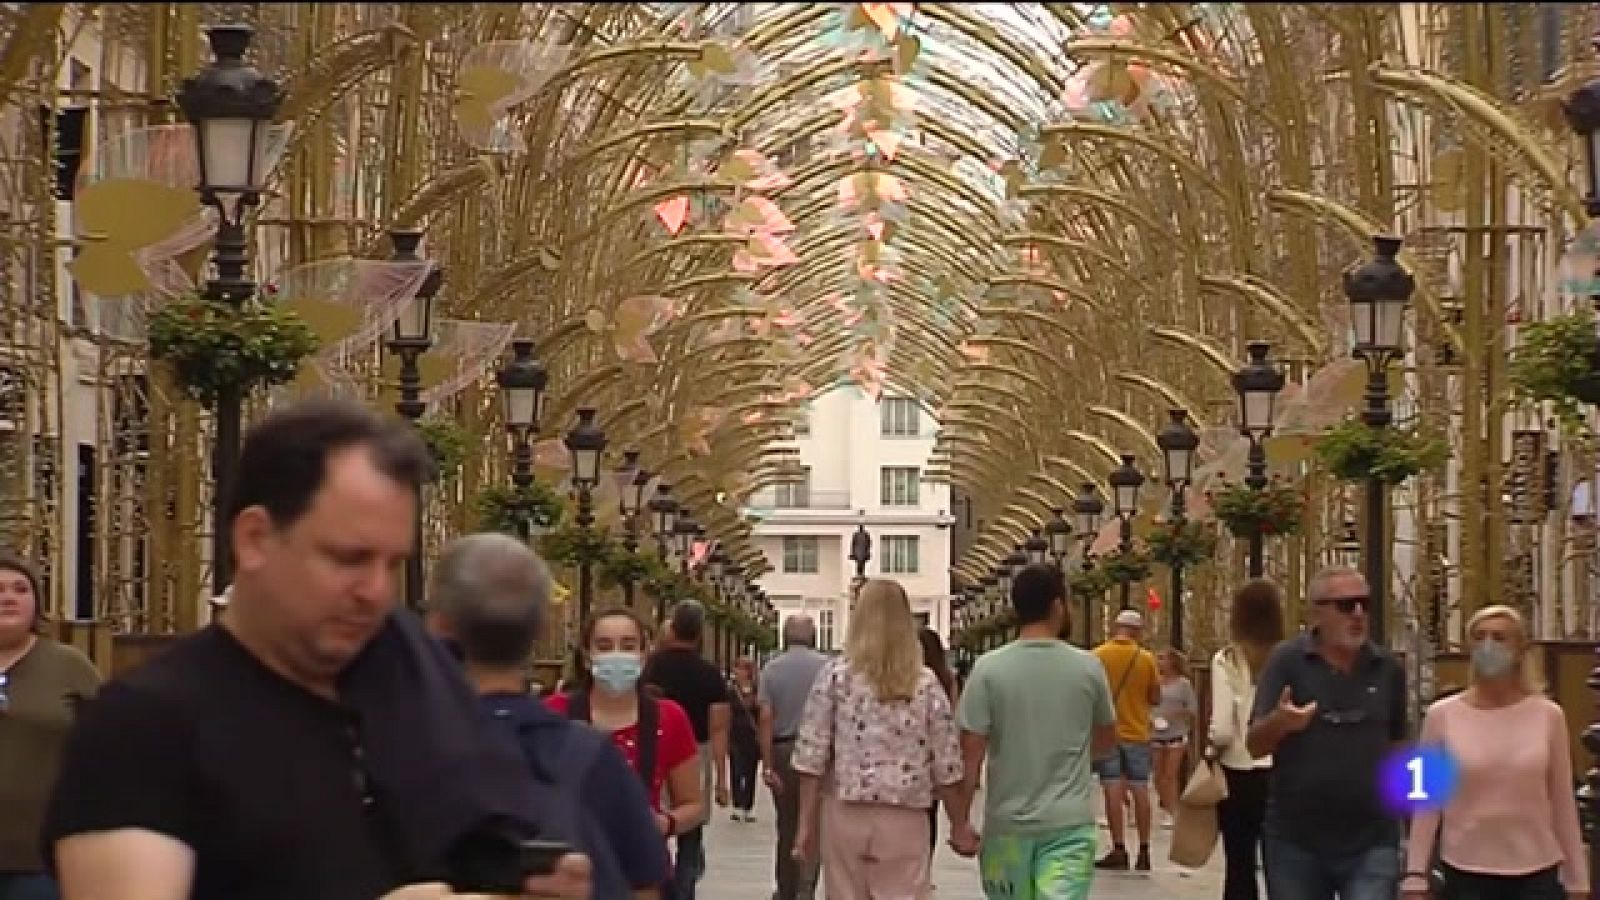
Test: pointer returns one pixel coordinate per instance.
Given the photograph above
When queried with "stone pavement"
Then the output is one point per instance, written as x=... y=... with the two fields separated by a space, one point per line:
x=739 y=867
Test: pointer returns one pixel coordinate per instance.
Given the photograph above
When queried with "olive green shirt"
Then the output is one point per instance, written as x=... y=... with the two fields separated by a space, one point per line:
x=44 y=688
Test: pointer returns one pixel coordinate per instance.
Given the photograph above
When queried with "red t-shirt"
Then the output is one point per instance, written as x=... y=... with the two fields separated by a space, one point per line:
x=674 y=742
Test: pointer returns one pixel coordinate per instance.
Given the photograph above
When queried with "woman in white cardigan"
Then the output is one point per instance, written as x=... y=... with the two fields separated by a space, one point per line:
x=1255 y=626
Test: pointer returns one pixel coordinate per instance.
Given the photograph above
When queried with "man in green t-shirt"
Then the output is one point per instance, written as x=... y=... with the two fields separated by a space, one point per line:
x=1037 y=709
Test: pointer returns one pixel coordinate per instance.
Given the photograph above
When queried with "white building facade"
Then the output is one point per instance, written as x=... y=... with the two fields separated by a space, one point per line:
x=863 y=464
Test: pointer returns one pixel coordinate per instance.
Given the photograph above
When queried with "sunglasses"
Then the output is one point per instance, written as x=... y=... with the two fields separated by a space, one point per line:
x=1346 y=605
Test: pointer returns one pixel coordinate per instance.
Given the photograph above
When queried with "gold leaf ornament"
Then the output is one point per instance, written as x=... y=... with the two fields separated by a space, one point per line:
x=115 y=219
x=717 y=59
x=479 y=92
x=906 y=51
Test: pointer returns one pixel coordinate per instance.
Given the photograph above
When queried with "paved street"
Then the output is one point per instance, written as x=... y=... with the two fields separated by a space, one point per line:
x=740 y=868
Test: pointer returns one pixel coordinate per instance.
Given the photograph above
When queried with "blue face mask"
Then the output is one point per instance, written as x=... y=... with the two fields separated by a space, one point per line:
x=617 y=672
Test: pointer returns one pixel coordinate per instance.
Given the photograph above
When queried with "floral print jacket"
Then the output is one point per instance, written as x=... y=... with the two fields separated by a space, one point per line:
x=893 y=753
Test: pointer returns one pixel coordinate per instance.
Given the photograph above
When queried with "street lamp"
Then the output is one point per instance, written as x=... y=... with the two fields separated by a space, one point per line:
x=1125 y=481
x=1257 y=385
x=230 y=106
x=1086 y=511
x=631 y=481
x=1059 y=533
x=1178 y=444
x=1037 y=548
x=664 y=510
x=587 y=443
x=522 y=382
x=412 y=336
x=1347 y=551
x=1378 y=292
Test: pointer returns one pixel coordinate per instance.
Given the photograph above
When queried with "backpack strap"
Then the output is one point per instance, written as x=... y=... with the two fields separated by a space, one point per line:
x=649 y=725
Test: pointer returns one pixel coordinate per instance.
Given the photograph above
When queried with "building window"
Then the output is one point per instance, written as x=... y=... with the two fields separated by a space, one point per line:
x=898 y=486
x=900 y=417
x=825 y=630
x=900 y=554
x=794 y=494
x=800 y=555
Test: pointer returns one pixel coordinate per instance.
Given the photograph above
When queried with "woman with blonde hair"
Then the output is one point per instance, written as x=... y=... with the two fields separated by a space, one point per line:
x=1511 y=830
x=878 y=724
x=1255 y=626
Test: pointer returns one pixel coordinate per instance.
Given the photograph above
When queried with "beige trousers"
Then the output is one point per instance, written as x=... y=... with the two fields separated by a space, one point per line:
x=871 y=851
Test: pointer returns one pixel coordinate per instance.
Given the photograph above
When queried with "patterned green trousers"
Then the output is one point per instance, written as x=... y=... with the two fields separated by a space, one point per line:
x=1053 y=865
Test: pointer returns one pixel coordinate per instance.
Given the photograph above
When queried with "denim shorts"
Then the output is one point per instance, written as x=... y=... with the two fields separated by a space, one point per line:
x=1130 y=762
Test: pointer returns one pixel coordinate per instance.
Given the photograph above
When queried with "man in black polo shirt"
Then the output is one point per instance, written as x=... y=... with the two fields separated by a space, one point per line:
x=687 y=679
x=259 y=759
x=1330 y=705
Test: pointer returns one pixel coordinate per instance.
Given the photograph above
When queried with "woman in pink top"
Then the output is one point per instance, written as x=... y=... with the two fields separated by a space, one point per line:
x=1511 y=831
x=878 y=724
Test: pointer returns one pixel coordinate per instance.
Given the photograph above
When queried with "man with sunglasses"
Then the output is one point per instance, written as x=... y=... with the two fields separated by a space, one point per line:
x=1330 y=705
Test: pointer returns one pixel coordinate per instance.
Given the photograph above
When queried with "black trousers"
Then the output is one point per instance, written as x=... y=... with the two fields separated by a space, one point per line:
x=742 y=764
x=1542 y=885
x=1240 y=818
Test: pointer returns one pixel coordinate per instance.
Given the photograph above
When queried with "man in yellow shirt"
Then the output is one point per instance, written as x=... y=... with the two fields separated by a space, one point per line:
x=1135 y=690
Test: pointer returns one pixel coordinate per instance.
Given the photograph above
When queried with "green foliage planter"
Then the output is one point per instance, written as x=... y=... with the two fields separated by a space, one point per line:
x=501 y=508
x=621 y=567
x=1275 y=509
x=1183 y=544
x=1354 y=452
x=448 y=442
x=1125 y=567
x=1557 y=361
x=575 y=546
x=213 y=346
x=1089 y=581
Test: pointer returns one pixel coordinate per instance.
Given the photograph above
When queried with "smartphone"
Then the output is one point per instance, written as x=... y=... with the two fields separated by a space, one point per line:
x=540 y=857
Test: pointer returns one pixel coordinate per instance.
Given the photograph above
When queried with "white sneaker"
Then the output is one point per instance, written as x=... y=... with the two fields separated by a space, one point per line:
x=1166 y=821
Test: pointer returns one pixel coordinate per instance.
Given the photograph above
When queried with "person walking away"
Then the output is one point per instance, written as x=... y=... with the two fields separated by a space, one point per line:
x=1125 y=770
x=489 y=596
x=1255 y=627
x=42 y=684
x=686 y=678
x=316 y=742
x=782 y=690
x=933 y=656
x=1170 y=723
x=1330 y=706
x=1036 y=711
x=1511 y=830
x=878 y=725
x=744 y=745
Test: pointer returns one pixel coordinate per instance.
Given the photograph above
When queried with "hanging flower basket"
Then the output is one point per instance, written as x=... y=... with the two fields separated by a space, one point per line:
x=1274 y=510
x=622 y=566
x=504 y=508
x=1355 y=452
x=1089 y=581
x=1125 y=567
x=1182 y=544
x=448 y=443
x=212 y=346
x=573 y=545
x=1557 y=361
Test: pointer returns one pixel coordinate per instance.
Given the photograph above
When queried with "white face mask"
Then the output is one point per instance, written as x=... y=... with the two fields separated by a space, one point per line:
x=1492 y=659
x=617 y=672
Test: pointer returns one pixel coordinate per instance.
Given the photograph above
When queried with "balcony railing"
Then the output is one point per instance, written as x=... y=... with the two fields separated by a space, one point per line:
x=800 y=498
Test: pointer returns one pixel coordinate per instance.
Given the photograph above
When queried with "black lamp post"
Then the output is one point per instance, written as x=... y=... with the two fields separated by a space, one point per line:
x=1086 y=511
x=631 y=481
x=1125 y=481
x=684 y=529
x=664 y=516
x=1378 y=292
x=1036 y=547
x=1257 y=385
x=1583 y=114
x=1178 y=444
x=1058 y=531
x=522 y=382
x=587 y=444
x=230 y=106
x=412 y=336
